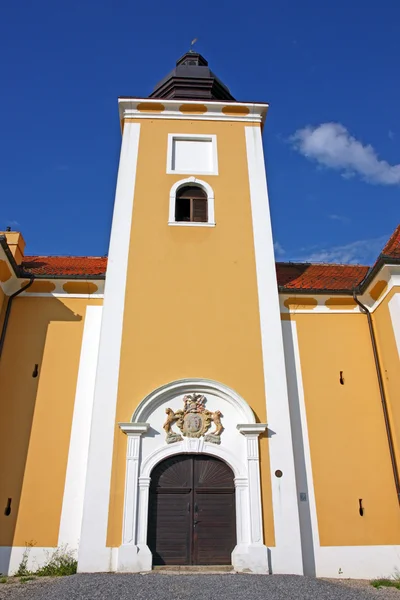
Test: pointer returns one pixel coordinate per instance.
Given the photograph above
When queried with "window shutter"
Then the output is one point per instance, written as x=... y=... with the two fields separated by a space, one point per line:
x=200 y=210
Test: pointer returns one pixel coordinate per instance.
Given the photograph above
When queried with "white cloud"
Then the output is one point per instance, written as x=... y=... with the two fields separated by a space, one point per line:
x=391 y=134
x=279 y=250
x=340 y=218
x=11 y=223
x=331 y=145
x=359 y=252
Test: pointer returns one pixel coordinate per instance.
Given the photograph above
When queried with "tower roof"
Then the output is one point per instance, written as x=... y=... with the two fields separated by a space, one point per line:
x=192 y=79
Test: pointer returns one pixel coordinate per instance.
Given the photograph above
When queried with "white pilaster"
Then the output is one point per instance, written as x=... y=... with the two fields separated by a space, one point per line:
x=93 y=553
x=250 y=552
x=144 y=489
x=74 y=490
x=394 y=308
x=286 y=555
x=132 y=558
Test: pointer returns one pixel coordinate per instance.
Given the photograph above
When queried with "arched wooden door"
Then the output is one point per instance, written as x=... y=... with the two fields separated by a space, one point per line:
x=192 y=511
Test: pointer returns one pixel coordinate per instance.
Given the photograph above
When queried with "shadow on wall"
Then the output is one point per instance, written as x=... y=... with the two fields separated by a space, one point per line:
x=307 y=545
x=20 y=373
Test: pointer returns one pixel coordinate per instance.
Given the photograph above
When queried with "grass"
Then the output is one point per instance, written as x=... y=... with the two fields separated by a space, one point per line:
x=378 y=583
x=3 y=580
x=25 y=579
x=59 y=564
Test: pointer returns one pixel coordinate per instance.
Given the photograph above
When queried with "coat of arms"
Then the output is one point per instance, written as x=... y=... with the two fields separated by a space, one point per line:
x=193 y=421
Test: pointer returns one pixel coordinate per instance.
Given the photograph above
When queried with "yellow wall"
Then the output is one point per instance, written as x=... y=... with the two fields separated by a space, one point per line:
x=349 y=450
x=36 y=414
x=191 y=307
x=390 y=364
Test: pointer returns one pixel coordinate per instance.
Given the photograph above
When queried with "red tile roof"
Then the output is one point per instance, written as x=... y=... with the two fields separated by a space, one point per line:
x=392 y=248
x=306 y=276
x=65 y=265
x=290 y=276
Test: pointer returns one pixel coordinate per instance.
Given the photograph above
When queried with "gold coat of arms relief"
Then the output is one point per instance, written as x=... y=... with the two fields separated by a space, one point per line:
x=194 y=420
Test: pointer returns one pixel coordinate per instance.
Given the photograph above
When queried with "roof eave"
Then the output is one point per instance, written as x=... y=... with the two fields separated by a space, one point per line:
x=62 y=276
x=316 y=291
x=382 y=261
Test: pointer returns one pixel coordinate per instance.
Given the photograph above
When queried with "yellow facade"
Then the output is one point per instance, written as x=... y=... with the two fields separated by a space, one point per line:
x=36 y=414
x=389 y=358
x=348 y=443
x=177 y=276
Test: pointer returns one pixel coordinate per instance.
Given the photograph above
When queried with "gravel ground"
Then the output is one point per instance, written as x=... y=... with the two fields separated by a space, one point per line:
x=157 y=586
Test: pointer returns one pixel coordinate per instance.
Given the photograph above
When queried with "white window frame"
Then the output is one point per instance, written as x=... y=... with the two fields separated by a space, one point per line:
x=192 y=137
x=210 y=203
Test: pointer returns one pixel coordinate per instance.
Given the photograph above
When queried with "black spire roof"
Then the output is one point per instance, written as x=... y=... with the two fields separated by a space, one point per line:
x=191 y=80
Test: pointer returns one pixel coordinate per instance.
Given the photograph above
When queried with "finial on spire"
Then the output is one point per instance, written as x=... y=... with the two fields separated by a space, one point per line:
x=192 y=43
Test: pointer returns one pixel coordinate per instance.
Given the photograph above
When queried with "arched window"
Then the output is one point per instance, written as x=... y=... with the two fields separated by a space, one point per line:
x=191 y=205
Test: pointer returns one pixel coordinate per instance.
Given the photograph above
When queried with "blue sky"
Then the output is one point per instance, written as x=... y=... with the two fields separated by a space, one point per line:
x=332 y=138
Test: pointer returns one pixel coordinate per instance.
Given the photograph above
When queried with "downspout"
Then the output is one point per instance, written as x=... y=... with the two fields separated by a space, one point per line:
x=389 y=435
x=8 y=311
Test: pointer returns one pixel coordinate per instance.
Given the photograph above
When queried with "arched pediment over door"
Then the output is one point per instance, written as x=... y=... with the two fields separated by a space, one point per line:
x=152 y=439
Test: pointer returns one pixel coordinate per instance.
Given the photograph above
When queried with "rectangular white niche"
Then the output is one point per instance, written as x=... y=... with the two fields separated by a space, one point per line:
x=192 y=154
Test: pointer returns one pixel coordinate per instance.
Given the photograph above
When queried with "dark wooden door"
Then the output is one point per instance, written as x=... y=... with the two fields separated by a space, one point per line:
x=192 y=512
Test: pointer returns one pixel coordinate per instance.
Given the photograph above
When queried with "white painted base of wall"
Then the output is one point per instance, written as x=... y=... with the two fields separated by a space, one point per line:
x=343 y=562
x=101 y=560
x=11 y=557
x=134 y=559
x=251 y=557
x=357 y=562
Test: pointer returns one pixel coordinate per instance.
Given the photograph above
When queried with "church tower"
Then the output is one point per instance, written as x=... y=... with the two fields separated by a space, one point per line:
x=190 y=456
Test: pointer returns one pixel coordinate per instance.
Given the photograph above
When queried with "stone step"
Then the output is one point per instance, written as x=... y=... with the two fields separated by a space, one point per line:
x=193 y=569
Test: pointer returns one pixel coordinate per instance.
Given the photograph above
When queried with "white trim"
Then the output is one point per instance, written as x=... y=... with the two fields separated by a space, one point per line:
x=59 y=291
x=394 y=309
x=250 y=428
x=250 y=552
x=93 y=553
x=388 y=273
x=55 y=295
x=359 y=562
x=185 y=224
x=210 y=202
x=192 y=137
x=74 y=490
x=320 y=310
x=185 y=386
x=304 y=477
x=173 y=115
x=128 y=109
x=286 y=556
x=133 y=428
x=193 y=446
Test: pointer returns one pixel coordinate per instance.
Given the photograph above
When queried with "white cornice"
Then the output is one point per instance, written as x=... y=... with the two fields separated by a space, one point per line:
x=248 y=112
x=252 y=428
x=134 y=428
